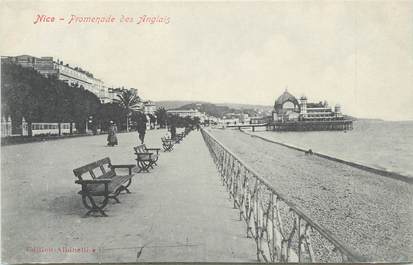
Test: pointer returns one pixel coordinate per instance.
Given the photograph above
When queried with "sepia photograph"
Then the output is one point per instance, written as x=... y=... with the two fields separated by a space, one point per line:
x=211 y=131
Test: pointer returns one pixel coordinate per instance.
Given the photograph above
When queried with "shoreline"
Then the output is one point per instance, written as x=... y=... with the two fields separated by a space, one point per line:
x=381 y=172
x=361 y=208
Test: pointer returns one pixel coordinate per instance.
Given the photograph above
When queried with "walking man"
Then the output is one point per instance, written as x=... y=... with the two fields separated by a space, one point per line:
x=142 y=127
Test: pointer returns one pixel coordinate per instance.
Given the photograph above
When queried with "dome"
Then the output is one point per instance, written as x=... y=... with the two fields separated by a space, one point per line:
x=285 y=97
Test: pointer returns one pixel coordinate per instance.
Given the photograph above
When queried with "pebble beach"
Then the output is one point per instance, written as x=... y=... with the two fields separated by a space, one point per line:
x=367 y=211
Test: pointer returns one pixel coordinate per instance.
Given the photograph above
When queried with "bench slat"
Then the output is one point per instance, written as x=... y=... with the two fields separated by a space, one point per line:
x=109 y=175
x=86 y=168
x=90 y=167
x=103 y=161
x=99 y=189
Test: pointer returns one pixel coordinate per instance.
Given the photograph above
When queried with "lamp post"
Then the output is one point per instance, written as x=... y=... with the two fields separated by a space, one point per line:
x=89 y=124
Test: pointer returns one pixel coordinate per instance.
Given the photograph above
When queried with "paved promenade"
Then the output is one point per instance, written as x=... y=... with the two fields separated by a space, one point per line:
x=177 y=212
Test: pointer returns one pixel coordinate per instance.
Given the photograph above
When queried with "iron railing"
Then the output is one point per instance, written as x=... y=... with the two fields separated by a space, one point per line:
x=282 y=232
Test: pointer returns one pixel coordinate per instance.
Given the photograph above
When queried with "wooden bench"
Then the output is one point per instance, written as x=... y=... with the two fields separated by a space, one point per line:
x=99 y=179
x=146 y=157
x=167 y=144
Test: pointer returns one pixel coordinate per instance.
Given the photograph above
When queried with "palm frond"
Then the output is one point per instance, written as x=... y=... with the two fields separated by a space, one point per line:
x=129 y=101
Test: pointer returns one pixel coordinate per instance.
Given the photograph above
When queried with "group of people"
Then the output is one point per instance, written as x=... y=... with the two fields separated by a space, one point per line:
x=141 y=128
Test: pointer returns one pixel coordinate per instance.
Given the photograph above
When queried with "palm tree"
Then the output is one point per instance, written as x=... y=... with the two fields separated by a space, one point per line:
x=161 y=116
x=130 y=102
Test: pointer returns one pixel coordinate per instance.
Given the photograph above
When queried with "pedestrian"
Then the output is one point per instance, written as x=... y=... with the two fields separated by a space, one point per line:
x=173 y=131
x=167 y=134
x=142 y=127
x=112 y=139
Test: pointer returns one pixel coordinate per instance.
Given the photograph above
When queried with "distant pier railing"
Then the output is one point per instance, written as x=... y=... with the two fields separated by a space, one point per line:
x=282 y=232
x=252 y=126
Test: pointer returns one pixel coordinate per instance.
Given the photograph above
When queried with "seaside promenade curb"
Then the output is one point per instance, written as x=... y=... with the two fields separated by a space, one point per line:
x=179 y=212
x=13 y=140
x=380 y=172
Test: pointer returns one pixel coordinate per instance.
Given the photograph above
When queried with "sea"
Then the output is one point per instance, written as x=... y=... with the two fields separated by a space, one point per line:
x=385 y=145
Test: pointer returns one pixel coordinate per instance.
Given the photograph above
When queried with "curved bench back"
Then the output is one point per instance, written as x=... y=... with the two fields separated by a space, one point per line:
x=98 y=169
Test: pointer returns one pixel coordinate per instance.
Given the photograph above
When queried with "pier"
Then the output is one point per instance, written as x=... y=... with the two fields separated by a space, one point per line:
x=247 y=126
x=331 y=125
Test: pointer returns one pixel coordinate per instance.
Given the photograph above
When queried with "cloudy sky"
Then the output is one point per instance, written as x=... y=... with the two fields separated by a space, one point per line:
x=358 y=54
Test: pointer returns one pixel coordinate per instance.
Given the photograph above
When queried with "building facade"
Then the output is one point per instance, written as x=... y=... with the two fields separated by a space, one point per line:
x=288 y=108
x=149 y=107
x=46 y=66
x=292 y=114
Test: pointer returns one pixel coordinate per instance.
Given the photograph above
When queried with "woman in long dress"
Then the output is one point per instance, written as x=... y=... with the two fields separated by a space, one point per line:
x=112 y=139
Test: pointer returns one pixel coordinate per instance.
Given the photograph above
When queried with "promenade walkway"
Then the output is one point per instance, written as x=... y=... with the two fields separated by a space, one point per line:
x=177 y=212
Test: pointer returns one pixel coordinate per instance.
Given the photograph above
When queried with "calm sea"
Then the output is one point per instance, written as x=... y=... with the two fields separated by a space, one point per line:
x=380 y=144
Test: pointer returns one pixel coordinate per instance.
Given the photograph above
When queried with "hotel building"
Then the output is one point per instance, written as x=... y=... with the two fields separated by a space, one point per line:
x=46 y=66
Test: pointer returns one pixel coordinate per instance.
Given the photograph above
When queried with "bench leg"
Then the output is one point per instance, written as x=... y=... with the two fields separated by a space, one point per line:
x=127 y=185
x=143 y=166
x=155 y=160
x=116 y=194
x=93 y=206
x=146 y=166
x=123 y=188
x=167 y=148
x=115 y=197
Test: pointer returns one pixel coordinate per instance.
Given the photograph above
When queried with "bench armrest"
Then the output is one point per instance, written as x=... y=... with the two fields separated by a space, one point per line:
x=123 y=166
x=154 y=149
x=157 y=149
x=140 y=155
x=93 y=181
x=143 y=153
x=128 y=166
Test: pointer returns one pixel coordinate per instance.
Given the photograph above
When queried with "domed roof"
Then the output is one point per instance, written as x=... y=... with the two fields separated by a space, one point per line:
x=286 y=96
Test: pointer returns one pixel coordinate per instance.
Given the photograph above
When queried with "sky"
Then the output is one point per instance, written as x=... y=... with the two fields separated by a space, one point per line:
x=358 y=54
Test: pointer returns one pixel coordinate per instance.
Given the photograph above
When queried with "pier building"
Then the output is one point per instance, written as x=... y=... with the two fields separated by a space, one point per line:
x=291 y=114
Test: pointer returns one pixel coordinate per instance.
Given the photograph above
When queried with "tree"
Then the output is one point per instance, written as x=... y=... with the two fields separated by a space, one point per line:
x=26 y=93
x=139 y=119
x=130 y=102
x=196 y=121
x=110 y=112
x=20 y=97
x=83 y=104
x=152 y=119
x=161 y=116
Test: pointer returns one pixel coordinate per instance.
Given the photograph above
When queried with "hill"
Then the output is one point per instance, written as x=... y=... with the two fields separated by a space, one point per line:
x=217 y=109
x=209 y=108
x=172 y=104
x=246 y=106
